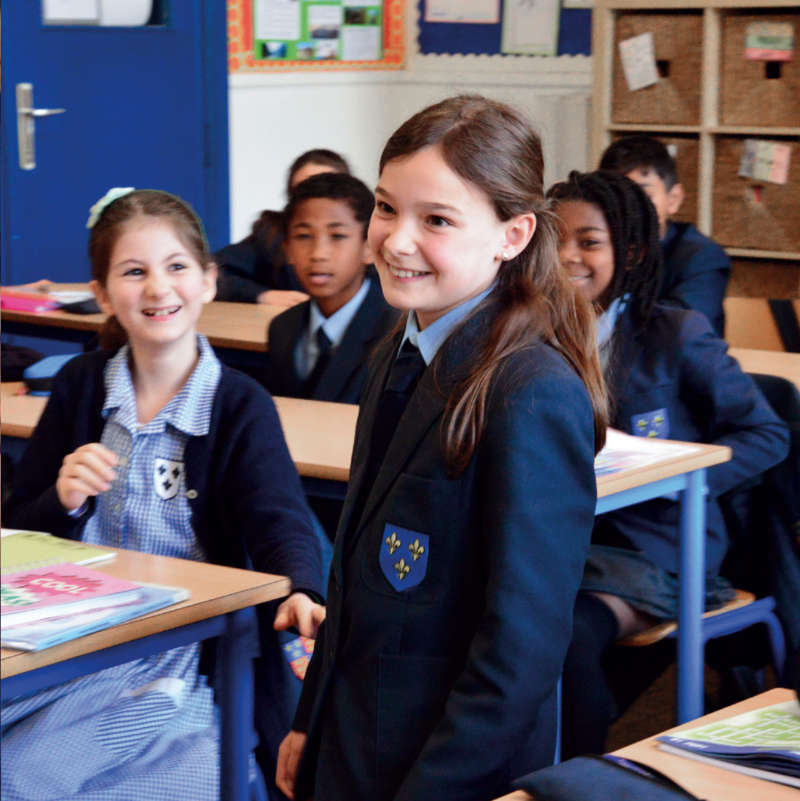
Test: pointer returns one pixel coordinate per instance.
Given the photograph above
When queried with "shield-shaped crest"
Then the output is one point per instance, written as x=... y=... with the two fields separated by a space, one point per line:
x=167 y=475
x=403 y=556
x=651 y=424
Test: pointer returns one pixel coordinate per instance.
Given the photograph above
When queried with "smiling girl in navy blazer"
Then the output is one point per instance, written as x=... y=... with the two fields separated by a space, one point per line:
x=668 y=376
x=472 y=492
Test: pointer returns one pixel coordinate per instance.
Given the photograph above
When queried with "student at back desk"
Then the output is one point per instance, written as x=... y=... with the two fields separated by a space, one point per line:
x=254 y=270
x=319 y=349
x=695 y=268
x=667 y=376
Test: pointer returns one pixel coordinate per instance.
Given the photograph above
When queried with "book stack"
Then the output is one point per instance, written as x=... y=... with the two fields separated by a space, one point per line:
x=764 y=743
x=42 y=605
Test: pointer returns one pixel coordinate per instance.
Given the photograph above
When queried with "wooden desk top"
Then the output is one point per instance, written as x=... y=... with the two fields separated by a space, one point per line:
x=770 y=362
x=319 y=434
x=227 y=325
x=320 y=437
x=214 y=590
x=706 y=781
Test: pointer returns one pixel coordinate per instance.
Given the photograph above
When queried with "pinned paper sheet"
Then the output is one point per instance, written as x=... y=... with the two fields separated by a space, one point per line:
x=530 y=27
x=481 y=11
x=765 y=161
x=639 y=61
x=769 y=41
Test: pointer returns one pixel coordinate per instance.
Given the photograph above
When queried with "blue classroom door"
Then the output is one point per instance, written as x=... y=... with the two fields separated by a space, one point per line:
x=144 y=106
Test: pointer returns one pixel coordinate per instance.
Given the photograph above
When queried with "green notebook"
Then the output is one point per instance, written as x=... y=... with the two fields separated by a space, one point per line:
x=25 y=550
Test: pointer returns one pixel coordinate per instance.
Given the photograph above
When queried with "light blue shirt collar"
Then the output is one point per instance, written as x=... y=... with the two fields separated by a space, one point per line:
x=608 y=319
x=336 y=325
x=188 y=411
x=432 y=338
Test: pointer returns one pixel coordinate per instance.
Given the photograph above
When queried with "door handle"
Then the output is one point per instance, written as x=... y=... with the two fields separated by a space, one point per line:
x=26 y=127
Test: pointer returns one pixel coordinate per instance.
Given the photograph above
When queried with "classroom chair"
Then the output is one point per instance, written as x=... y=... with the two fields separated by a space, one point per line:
x=763 y=519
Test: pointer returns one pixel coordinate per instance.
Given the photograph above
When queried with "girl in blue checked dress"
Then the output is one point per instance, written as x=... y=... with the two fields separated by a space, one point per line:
x=148 y=728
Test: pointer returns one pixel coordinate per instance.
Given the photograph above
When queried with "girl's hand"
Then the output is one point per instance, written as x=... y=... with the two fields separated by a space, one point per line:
x=300 y=611
x=84 y=473
x=289 y=753
x=285 y=298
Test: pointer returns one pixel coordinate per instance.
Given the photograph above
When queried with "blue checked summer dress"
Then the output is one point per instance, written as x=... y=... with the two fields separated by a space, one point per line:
x=146 y=729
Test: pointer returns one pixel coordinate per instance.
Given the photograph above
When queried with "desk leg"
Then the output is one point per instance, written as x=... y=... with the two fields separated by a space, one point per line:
x=236 y=707
x=691 y=659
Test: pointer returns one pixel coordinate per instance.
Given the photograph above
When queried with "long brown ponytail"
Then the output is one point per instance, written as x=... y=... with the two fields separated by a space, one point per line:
x=490 y=145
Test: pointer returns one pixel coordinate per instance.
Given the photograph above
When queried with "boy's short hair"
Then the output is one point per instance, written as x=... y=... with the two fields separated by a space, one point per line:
x=333 y=186
x=640 y=151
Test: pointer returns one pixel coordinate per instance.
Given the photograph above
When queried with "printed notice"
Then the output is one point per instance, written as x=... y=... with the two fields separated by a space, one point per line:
x=361 y=44
x=769 y=41
x=638 y=61
x=277 y=19
x=765 y=161
x=530 y=27
x=479 y=11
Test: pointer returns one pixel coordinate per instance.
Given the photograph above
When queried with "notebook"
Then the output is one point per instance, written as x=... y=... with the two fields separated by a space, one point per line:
x=24 y=550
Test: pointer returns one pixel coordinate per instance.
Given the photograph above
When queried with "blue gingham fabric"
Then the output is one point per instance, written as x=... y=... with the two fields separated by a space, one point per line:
x=146 y=729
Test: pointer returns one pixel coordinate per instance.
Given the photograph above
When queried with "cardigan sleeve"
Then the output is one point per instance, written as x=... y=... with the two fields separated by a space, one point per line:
x=63 y=427
x=263 y=498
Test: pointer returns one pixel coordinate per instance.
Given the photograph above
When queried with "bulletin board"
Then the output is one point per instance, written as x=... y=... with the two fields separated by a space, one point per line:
x=314 y=35
x=457 y=38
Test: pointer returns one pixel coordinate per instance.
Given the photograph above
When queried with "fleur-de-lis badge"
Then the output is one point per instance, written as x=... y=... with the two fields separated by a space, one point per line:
x=404 y=570
x=393 y=542
x=416 y=549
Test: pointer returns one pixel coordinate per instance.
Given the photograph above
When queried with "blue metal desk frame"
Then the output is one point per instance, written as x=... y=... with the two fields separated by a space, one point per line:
x=692 y=488
x=236 y=690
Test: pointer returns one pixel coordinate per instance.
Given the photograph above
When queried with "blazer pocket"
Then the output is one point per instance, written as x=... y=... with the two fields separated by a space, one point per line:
x=412 y=691
x=412 y=546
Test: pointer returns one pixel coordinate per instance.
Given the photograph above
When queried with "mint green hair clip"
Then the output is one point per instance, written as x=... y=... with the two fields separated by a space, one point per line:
x=115 y=193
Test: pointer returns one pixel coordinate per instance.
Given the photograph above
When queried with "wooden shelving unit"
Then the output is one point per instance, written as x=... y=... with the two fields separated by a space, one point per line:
x=709 y=99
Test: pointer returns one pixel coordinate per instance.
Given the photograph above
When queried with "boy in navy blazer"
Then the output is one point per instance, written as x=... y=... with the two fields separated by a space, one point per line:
x=695 y=268
x=319 y=349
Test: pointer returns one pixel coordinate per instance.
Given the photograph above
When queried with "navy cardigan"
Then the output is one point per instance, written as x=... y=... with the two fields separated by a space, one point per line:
x=248 y=508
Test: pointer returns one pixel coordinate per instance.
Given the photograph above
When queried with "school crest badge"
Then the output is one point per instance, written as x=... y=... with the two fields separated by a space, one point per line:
x=651 y=424
x=403 y=556
x=167 y=475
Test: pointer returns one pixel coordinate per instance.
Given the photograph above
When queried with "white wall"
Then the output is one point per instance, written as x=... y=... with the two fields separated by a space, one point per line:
x=275 y=117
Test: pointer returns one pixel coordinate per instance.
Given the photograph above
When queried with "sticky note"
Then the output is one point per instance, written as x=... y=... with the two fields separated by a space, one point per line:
x=639 y=61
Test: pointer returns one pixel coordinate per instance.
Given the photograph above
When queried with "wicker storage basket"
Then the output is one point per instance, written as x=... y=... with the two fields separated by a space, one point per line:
x=750 y=213
x=675 y=99
x=748 y=96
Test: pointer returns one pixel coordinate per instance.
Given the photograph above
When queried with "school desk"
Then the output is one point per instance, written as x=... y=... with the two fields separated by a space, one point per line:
x=233 y=326
x=320 y=438
x=705 y=781
x=769 y=362
x=217 y=607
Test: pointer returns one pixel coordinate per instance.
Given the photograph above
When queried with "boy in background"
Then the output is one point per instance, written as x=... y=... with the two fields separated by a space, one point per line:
x=696 y=269
x=319 y=348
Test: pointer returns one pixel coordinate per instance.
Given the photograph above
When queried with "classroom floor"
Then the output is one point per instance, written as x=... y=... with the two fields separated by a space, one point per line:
x=654 y=710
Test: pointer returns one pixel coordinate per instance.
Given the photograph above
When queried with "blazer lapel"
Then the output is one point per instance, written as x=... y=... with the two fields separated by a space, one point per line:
x=424 y=410
x=625 y=356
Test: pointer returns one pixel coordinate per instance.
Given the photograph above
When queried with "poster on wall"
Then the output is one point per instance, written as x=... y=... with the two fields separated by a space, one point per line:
x=268 y=35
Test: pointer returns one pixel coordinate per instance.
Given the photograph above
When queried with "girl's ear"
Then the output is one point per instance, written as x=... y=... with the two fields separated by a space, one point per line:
x=518 y=232
x=210 y=282
x=367 y=256
x=675 y=199
x=101 y=296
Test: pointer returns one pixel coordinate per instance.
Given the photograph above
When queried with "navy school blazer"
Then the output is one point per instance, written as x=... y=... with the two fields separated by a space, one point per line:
x=675 y=380
x=450 y=597
x=344 y=376
x=696 y=273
